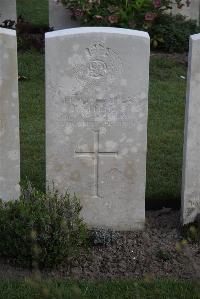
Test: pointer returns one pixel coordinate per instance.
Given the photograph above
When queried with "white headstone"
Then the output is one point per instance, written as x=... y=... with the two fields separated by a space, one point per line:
x=190 y=10
x=8 y=10
x=59 y=16
x=9 y=117
x=96 y=121
x=191 y=161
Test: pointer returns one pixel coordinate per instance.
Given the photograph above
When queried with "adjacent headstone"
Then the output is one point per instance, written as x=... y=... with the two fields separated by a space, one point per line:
x=9 y=117
x=191 y=165
x=60 y=16
x=190 y=9
x=7 y=10
x=96 y=121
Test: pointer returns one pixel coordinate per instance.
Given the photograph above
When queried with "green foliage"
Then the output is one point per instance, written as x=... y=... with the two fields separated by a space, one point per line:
x=104 y=237
x=169 y=33
x=174 y=33
x=41 y=230
x=104 y=289
x=121 y=13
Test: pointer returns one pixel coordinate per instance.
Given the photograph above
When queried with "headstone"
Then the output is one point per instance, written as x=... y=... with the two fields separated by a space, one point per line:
x=96 y=121
x=190 y=9
x=7 y=10
x=9 y=117
x=60 y=16
x=191 y=161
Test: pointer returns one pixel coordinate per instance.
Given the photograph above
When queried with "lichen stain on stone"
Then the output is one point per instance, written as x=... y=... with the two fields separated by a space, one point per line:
x=58 y=167
x=130 y=171
x=2 y=128
x=114 y=173
x=75 y=176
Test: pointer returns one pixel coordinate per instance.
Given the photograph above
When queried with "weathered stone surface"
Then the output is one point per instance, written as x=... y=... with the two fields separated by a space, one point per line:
x=9 y=117
x=8 y=10
x=96 y=121
x=59 y=16
x=191 y=164
x=191 y=9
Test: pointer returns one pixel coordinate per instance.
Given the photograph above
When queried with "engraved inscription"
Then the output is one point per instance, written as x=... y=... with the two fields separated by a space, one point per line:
x=95 y=154
x=99 y=109
x=101 y=63
x=94 y=90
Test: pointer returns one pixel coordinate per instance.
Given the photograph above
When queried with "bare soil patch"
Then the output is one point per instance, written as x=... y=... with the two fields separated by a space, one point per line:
x=178 y=57
x=155 y=252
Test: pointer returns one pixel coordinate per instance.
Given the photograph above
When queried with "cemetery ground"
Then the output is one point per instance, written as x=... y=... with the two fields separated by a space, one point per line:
x=156 y=252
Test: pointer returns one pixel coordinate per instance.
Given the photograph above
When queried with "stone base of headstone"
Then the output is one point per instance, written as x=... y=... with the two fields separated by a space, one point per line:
x=60 y=17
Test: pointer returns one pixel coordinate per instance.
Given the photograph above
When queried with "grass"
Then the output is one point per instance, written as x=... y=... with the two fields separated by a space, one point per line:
x=165 y=127
x=32 y=123
x=165 y=140
x=34 y=11
x=111 y=289
x=165 y=131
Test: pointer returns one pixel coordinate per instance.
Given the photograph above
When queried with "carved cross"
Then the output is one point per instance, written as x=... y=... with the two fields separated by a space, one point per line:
x=95 y=154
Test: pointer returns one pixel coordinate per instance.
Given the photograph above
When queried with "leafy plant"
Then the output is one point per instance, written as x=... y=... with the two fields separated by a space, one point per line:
x=174 y=31
x=169 y=33
x=121 y=13
x=41 y=229
x=104 y=237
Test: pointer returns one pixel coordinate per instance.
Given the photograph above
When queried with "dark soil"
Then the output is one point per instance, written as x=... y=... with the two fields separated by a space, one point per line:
x=177 y=57
x=157 y=251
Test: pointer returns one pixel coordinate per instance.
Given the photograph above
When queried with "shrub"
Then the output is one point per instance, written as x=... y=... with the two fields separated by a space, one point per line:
x=169 y=33
x=174 y=33
x=41 y=229
x=121 y=13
